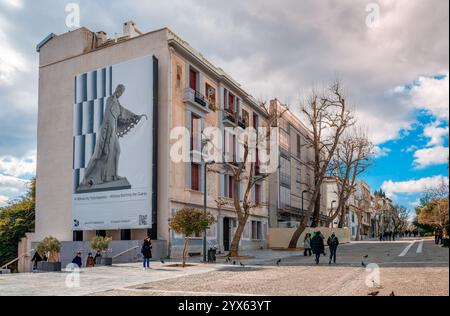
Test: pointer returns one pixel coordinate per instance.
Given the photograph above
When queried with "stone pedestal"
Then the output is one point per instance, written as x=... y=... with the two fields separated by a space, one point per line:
x=121 y=184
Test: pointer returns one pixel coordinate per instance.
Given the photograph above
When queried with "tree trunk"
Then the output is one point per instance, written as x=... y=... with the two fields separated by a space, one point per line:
x=185 y=251
x=298 y=232
x=342 y=217
x=234 y=248
x=316 y=216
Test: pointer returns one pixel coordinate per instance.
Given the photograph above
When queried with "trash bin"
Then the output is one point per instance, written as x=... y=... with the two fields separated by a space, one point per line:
x=212 y=255
x=445 y=242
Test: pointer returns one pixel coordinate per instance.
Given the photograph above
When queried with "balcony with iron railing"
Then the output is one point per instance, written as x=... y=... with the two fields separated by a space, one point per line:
x=196 y=99
x=229 y=117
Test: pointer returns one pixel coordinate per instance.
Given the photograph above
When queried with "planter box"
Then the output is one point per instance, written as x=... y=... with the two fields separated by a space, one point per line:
x=106 y=261
x=48 y=266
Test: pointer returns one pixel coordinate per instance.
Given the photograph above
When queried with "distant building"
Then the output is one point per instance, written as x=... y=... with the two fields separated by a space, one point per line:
x=291 y=187
x=360 y=216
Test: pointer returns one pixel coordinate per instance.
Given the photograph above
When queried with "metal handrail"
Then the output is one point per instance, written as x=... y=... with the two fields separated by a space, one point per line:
x=5 y=266
x=124 y=252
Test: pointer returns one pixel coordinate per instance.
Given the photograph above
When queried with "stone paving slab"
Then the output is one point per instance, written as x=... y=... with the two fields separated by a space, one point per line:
x=91 y=279
x=417 y=273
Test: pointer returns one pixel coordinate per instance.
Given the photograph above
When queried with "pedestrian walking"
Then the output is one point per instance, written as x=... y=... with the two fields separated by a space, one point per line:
x=381 y=237
x=98 y=257
x=147 y=252
x=333 y=243
x=90 y=262
x=36 y=258
x=77 y=260
x=317 y=246
x=440 y=237
x=307 y=245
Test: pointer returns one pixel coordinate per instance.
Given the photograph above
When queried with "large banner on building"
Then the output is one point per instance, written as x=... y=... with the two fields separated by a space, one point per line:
x=112 y=147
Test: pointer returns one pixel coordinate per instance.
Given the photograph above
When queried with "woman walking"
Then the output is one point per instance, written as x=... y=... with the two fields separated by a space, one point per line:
x=307 y=245
x=147 y=252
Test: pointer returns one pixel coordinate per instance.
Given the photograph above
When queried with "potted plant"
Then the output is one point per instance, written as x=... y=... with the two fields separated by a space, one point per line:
x=101 y=245
x=190 y=221
x=49 y=247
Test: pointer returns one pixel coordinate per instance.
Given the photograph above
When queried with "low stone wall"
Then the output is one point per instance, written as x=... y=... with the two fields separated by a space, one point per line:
x=279 y=238
x=70 y=248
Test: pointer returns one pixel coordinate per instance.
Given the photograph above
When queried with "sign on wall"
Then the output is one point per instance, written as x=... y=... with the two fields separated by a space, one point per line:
x=113 y=147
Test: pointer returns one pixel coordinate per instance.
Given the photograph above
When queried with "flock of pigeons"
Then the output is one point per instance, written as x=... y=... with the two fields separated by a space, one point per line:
x=234 y=262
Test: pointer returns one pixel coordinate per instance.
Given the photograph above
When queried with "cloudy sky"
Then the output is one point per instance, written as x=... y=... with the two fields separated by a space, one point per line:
x=394 y=65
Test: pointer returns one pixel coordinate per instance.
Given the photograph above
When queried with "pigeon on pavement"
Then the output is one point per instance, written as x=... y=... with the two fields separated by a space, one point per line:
x=278 y=262
x=373 y=293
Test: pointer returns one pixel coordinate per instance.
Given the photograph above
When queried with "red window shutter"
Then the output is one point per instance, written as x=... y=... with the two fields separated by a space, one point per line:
x=193 y=79
x=257 y=194
x=231 y=103
x=195 y=177
x=255 y=120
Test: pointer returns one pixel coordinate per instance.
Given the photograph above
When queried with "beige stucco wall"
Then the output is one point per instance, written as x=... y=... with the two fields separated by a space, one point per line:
x=280 y=237
x=55 y=123
x=178 y=193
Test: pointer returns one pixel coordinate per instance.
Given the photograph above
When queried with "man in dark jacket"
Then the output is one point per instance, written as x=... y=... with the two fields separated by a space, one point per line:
x=77 y=260
x=36 y=258
x=317 y=246
x=333 y=243
x=146 y=251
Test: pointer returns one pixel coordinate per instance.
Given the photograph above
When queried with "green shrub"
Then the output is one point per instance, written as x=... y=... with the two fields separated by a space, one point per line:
x=100 y=243
x=51 y=246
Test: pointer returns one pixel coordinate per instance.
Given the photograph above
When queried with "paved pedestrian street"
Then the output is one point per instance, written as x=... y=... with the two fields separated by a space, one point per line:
x=405 y=267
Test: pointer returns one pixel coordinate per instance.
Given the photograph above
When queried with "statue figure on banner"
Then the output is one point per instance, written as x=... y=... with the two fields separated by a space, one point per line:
x=101 y=171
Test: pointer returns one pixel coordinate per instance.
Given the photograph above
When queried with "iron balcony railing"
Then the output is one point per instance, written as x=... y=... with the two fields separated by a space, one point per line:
x=195 y=96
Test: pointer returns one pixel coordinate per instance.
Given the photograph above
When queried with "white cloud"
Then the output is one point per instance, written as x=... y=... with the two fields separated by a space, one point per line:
x=429 y=93
x=14 y=4
x=433 y=95
x=430 y=156
x=12 y=185
x=18 y=167
x=436 y=133
x=379 y=152
x=412 y=186
x=3 y=200
x=410 y=149
x=415 y=203
x=11 y=60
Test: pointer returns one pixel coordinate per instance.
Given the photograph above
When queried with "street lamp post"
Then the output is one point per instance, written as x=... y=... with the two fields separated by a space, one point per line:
x=204 y=209
x=205 y=194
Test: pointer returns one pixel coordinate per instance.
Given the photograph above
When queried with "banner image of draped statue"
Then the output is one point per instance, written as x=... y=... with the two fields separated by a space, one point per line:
x=114 y=145
x=102 y=170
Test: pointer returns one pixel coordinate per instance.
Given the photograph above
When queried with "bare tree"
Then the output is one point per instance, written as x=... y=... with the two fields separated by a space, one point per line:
x=400 y=216
x=352 y=158
x=328 y=117
x=246 y=171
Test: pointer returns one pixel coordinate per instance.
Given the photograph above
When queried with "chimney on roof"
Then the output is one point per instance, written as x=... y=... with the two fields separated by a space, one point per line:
x=130 y=29
x=101 y=37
